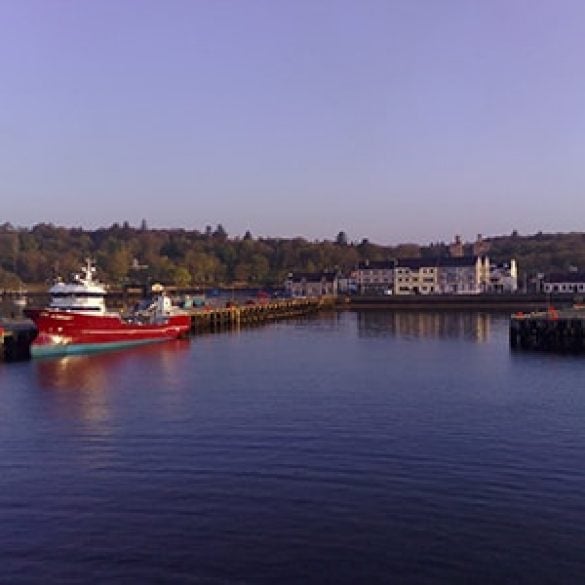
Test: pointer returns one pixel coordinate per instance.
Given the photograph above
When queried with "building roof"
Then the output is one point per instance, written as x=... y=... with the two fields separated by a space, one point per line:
x=558 y=277
x=312 y=276
x=377 y=265
x=456 y=262
x=448 y=262
x=416 y=263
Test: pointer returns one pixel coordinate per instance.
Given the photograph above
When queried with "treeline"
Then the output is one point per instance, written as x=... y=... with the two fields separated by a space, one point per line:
x=542 y=253
x=126 y=254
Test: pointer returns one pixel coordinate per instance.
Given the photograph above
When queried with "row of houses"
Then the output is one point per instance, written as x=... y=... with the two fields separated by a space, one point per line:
x=411 y=276
x=569 y=282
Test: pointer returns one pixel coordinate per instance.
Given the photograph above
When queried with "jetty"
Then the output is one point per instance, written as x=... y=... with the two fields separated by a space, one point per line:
x=560 y=330
x=219 y=319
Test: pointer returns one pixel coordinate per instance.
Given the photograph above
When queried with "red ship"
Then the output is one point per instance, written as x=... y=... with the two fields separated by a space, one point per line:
x=77 y=320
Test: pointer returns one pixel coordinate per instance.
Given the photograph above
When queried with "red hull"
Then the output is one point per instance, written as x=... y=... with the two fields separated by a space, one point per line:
x=63 y=329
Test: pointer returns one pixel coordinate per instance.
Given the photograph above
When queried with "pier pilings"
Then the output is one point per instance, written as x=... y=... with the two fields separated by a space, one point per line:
x=218 y=319
x=551 y=330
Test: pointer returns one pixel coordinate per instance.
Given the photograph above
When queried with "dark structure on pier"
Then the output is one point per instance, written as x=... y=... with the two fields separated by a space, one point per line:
x=550 y=330
x=15 y=339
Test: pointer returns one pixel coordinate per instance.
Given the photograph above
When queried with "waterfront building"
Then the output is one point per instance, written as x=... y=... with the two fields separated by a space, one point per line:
x=568 y=282
x=503 y=277
x=347 y=285
x=374 y=277
x=455 y=275
x=416 y=276
x=311 y=284
x=463 y=275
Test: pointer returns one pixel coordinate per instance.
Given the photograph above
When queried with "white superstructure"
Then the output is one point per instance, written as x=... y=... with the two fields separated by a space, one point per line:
x=84 y=294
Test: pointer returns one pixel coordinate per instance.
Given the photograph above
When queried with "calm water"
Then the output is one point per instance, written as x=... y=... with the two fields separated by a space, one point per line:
x=352 y=448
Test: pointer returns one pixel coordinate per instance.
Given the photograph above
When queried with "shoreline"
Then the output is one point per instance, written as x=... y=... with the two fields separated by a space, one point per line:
x=498 y=302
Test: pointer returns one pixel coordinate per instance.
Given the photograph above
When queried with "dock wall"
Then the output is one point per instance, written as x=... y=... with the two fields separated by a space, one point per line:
x=15 y=339
x=492 y=302
x=551 y=330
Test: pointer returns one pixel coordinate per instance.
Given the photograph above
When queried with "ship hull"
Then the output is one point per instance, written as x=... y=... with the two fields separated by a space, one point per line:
x=68 y=333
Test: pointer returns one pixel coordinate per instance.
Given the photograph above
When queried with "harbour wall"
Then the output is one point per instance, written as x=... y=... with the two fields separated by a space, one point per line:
x=552 y=330
x=491 y=302
x=15 y=339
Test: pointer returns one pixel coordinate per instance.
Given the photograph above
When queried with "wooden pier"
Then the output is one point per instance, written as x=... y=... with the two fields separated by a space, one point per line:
x=220 y=319
x=551 y=330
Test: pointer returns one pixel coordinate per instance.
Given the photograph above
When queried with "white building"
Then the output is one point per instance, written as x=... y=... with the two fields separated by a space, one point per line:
x=503 y=277
x=458 y=275
x=570 y=282
x=418 y=276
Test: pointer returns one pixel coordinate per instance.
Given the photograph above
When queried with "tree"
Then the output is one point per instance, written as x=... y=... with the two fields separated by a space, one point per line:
x=181 y=276
x=220 y=233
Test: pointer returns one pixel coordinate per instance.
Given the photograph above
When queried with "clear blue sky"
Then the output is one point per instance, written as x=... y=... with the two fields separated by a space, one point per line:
x=396 y=120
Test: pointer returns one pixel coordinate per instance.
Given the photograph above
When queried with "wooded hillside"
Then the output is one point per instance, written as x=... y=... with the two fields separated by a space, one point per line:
x=126 y=254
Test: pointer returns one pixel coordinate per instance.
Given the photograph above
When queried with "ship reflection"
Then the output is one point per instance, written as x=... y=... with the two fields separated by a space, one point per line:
x=418 y=324
x=87 y=388
x=93 y=371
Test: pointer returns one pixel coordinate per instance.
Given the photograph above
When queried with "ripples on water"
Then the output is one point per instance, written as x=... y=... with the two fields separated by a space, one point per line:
x=353 y=448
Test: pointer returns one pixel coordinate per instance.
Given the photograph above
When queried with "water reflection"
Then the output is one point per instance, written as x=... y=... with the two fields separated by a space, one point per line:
x=83 y=387
x=92 y=371
x=440 y=324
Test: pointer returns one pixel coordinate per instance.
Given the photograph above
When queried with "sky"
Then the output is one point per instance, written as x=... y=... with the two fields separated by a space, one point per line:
x=393 y=120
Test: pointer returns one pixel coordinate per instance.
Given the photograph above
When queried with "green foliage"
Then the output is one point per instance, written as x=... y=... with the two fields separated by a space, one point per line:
x=543 y=253
x=190 y=258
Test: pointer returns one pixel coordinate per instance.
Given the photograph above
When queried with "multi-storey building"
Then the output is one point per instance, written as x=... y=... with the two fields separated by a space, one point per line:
x=311 y=284
x=374 y=277
x=503 y=277
x=466 y=275
x=416 y=276
x=413 y=276
x=459 y=275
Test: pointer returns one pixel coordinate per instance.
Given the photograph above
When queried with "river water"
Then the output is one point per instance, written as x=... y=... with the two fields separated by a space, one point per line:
x=371 y=447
